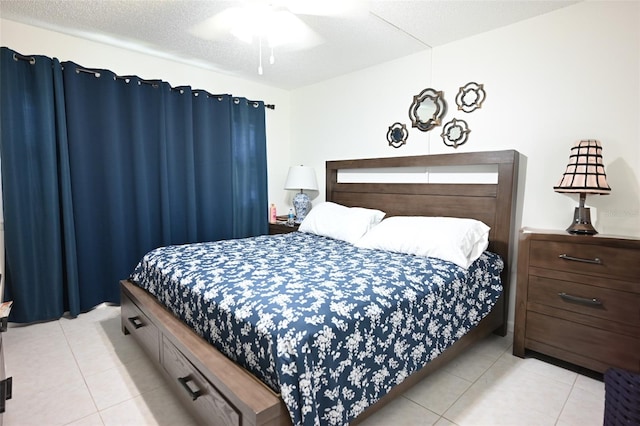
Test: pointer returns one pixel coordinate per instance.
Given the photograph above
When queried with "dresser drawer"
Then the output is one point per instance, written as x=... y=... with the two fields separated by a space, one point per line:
x=587 y=259
x=602 y=346
x=140 y=327
x=604 y=303
x=196 y=390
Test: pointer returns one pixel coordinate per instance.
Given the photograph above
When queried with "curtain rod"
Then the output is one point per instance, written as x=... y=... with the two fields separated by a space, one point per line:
x=154 y=83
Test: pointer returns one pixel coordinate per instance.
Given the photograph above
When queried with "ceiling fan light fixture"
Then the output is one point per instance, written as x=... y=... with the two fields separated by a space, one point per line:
x=245 y=23
x=274 y=22
x=270 y=23
x=283 y=27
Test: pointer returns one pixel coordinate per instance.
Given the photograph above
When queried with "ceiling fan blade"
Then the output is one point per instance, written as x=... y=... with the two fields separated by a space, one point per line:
x=288 y=31
x=275 y=27
x=219 y=25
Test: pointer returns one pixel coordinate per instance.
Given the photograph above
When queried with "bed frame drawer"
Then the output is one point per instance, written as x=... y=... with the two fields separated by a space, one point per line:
x=137 y=324
x=196 y=390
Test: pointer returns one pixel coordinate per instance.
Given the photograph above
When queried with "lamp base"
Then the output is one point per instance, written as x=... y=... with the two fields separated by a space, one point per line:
x=582 y=222
x=301 y=204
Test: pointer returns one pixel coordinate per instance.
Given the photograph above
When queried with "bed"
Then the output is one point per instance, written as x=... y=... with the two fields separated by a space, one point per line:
x=222 y=392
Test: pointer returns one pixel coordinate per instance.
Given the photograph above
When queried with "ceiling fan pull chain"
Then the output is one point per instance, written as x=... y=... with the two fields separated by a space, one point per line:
x=260 y=56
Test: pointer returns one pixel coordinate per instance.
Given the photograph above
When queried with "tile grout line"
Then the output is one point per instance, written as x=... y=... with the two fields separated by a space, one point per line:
x=41 y=355
x=564 y=404
x=472 y=383
x=120 y=364
x=84 y=379
x=442 y=416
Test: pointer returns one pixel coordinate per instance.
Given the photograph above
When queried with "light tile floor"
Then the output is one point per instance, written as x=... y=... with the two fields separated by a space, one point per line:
x=84 y=371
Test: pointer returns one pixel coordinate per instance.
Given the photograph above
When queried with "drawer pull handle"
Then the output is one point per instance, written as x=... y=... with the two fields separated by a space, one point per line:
x=595 y=261
x=578 y=299
x=135 y=321
x=194 y=394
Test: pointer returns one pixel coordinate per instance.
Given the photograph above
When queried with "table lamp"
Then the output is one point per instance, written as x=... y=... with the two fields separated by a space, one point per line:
x=301 y=178
x=584 y=175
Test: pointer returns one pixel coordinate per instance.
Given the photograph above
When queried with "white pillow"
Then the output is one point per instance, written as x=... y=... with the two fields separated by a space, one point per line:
x=340 y=222
x=457 y=240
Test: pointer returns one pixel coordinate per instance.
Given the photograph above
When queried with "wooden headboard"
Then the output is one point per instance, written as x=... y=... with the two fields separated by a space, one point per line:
x=492 y=203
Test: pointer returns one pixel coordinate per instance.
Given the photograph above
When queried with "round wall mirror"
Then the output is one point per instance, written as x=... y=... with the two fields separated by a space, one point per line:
x=427 y=110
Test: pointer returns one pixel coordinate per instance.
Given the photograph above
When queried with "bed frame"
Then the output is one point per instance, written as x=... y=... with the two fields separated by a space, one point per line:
x=221 y=392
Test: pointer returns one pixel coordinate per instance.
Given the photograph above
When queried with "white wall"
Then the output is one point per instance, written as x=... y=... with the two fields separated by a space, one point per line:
x=349 y=116
x=29 y=40
x=550 y=81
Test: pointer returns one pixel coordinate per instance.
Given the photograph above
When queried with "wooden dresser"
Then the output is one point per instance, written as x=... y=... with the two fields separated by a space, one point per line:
x=578 y=299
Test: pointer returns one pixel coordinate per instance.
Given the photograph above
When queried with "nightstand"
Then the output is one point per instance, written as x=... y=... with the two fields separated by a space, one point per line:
x=279 y=228
x=578 y=299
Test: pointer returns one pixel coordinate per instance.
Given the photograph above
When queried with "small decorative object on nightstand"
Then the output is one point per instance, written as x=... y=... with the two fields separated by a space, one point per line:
x=301 y=178
x=578 y=299
x=584 y=175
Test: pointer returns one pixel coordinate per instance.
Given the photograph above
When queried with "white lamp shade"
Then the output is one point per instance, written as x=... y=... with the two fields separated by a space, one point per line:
x=301 y=177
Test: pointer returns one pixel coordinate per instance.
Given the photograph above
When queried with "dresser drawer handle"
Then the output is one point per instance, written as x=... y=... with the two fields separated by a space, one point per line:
x=578 y=299
x=595 y=261
x=194 y=394
x=135 y=321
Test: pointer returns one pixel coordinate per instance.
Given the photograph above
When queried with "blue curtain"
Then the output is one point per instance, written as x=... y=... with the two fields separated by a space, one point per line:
x=249 y=155
x=128 y=165
x=32 y=134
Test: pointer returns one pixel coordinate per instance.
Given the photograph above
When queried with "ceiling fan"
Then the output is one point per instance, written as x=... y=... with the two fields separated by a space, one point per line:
x=275 y=23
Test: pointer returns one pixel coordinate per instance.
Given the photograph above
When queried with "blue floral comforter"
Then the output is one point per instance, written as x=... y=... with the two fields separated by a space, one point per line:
x=330 y=326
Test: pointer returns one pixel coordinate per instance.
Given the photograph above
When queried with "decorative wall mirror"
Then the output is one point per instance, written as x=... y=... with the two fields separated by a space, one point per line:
x=427 y=110
x=470 y=97
x=397 y=135
x=455 y=133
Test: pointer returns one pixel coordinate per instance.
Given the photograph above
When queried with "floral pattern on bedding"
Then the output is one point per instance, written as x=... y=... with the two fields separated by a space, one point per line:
x=330 y=326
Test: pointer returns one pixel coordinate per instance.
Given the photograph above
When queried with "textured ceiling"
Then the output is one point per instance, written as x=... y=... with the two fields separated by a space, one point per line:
x=386 y=30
